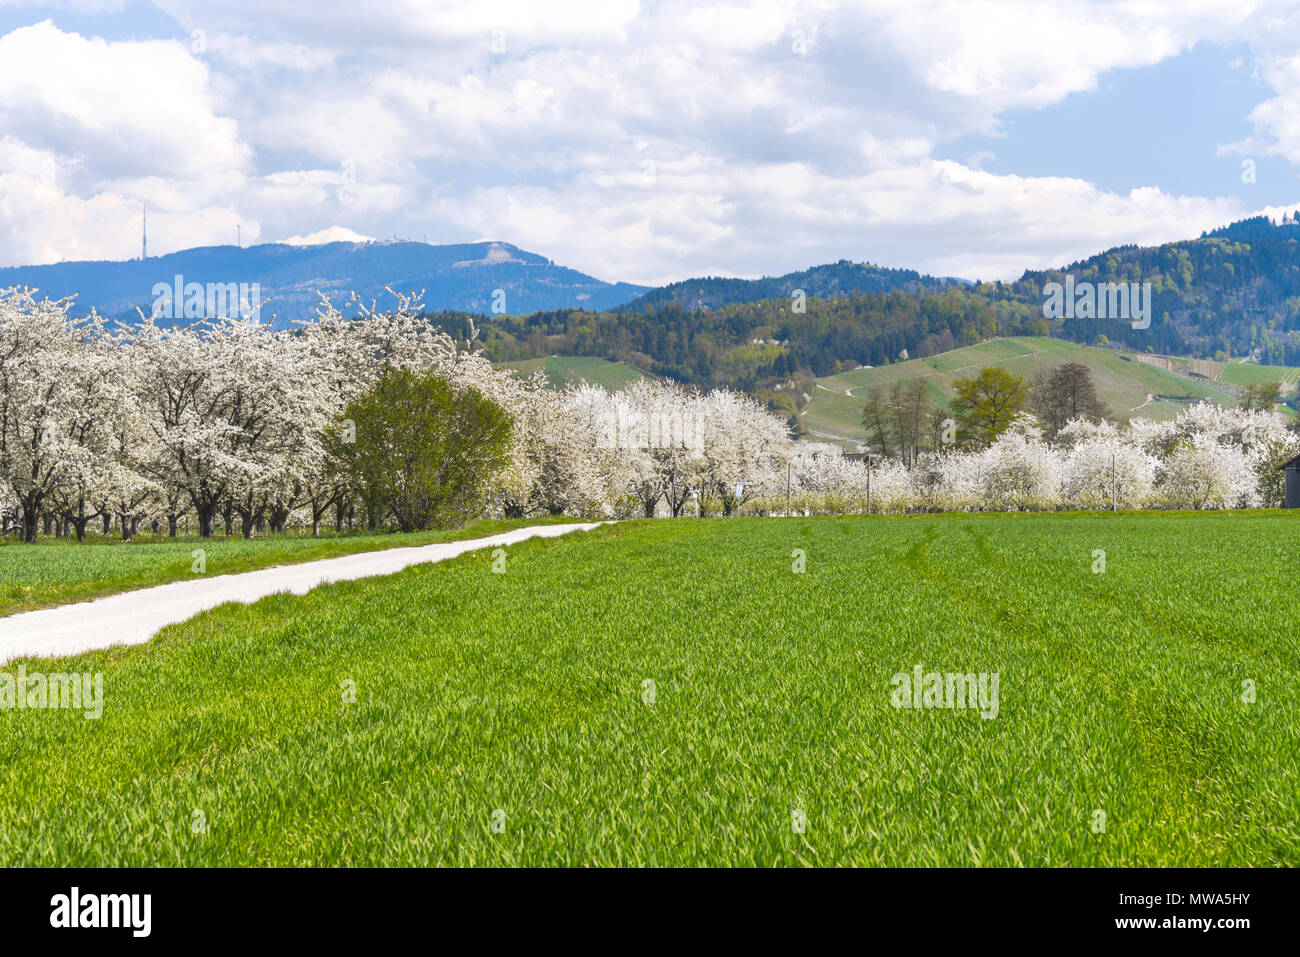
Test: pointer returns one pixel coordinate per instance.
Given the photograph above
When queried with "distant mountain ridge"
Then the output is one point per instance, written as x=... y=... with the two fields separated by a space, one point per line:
x=1259 y=227
x=830 y=281
x=1234 y=291
x=463 y=276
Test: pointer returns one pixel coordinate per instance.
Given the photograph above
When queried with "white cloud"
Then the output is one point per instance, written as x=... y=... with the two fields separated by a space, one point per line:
x=41 y=223
x=1276 y=120
x=122 y=109
x=333 y=234
x=637 y=142
x=93 y=129
x=937 y=216
x=407 y=23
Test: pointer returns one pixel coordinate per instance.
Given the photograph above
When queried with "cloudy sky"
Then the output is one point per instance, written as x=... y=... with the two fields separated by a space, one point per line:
x=647 y=142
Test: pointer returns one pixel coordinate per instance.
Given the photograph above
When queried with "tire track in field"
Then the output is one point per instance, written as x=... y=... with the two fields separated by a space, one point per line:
x=918 y=560
x=1009 y=615
x=1164 y=736
x=1161 y=736
x=1079 y=588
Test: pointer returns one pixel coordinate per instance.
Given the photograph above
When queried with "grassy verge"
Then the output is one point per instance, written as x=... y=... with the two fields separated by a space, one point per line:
x=59 y=571
x=675 y=692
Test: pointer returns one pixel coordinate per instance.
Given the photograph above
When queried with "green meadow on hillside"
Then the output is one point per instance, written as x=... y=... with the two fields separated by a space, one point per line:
x=574 y=370
x=1252 y=373
x=681 y=692
x=1124 y=384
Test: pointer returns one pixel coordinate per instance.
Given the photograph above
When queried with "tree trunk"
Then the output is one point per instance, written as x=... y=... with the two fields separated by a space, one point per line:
x=278 y=519
x=126 y=526
x=207 y=517
x=79 y=527
x=31 y=526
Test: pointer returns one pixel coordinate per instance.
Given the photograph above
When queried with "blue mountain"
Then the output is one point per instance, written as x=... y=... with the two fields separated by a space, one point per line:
x=464 y=277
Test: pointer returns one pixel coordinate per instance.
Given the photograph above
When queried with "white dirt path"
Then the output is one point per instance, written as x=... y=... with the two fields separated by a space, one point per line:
x=133 y=617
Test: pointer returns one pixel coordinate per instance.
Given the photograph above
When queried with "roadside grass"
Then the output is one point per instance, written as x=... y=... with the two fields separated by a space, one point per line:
x=525 y=693
x=57 y=571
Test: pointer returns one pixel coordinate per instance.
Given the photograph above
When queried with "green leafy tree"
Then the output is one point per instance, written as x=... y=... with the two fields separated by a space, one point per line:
x=987 y=404
x=420 y=452
x=1262 y=396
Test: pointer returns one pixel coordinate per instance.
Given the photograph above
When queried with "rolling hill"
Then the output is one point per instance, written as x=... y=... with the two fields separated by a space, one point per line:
x=830 y=281
x=1129 y=386
x=1229 y=294
x=1241 y=373
x=1219 y=296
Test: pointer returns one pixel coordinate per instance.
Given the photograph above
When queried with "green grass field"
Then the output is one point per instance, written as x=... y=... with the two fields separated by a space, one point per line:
x=57 y=571
x=523 y=698
x=574 y=370
x=1123 y=384
x=1252 y=373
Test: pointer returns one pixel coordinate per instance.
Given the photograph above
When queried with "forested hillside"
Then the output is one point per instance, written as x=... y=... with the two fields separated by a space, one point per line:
x=1233 y=291
x=1229 y=294
x=833 y=280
